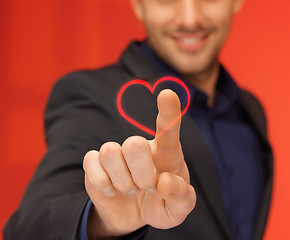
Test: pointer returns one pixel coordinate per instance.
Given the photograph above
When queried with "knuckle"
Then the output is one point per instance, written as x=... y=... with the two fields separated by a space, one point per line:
x=145 y=183
x=134 y=142
x=89 y=158
x=124 y=187
x=99 y=182
x=91 y=154
x=109 y=148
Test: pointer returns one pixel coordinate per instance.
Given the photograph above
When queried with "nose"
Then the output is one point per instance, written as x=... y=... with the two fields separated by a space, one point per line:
x=189 y=14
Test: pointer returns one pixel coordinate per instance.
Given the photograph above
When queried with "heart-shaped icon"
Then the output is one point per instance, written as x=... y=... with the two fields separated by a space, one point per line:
x=146 y=84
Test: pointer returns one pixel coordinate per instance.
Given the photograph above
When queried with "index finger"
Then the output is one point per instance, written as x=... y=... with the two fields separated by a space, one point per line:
x=168 y=120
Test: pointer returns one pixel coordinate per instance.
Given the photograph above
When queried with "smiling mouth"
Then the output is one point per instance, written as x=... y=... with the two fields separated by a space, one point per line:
x=190 y=40
x=190 y=43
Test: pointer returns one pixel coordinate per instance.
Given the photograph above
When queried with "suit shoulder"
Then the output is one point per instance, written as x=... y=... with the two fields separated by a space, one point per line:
x=249 y=97
x=103 y=79
x=94 y=75
x=253 y=104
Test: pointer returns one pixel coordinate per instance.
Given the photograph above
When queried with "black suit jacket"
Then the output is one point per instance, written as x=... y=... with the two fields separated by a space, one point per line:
x=82 y=115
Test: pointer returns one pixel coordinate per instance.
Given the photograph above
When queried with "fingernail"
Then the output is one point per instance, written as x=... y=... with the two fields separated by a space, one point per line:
x=151 y=190
x=109 y=192
x=133 y=192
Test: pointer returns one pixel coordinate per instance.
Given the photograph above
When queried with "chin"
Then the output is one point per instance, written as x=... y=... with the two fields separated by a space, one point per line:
x=189 y=69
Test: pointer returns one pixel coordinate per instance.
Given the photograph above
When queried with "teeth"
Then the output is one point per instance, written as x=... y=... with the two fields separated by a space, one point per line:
x=190 y=40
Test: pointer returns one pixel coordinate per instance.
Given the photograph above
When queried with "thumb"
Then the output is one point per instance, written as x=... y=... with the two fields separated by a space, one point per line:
x=179 y=196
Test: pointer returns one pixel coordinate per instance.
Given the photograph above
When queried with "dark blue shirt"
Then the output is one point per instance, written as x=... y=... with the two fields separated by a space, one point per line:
x=235 y=146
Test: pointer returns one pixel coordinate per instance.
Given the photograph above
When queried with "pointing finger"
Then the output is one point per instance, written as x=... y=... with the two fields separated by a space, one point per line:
x=168 y=120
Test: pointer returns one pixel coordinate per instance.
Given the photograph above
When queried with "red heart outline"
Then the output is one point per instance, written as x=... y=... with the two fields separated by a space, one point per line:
x=146 y=84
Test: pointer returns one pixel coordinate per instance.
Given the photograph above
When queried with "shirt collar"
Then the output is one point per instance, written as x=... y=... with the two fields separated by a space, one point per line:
x=227 y=93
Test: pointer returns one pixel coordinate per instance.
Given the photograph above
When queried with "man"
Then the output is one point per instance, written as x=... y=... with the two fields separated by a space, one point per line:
x=138 y=188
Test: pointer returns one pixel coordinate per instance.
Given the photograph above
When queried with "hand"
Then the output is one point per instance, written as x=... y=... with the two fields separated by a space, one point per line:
x=141 y=182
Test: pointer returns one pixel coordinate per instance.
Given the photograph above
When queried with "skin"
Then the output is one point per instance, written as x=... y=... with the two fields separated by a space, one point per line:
x=147 y=181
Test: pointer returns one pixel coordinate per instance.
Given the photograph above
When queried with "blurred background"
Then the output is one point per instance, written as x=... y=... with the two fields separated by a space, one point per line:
x=40 y=41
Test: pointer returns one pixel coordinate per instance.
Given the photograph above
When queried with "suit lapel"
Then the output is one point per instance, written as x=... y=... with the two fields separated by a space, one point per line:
x=256 y=116
x=136 y=63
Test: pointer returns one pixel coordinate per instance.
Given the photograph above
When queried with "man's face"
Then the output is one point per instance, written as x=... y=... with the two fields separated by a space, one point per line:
x=187 y=34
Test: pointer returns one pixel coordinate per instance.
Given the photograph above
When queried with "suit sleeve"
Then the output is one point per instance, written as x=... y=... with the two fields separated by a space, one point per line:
x=136 y=235
x=76 y=121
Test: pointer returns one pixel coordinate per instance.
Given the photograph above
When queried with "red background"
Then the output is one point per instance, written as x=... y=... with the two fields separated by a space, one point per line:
x=43 y=40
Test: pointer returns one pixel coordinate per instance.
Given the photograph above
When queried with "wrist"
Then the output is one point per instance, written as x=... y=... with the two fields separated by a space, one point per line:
x=97 y=229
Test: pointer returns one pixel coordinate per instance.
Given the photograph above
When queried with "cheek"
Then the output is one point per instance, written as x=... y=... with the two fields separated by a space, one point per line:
x=221 y=19
x=157 y=32
x=219 y=14
x=160 y=20
x=225 y=26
